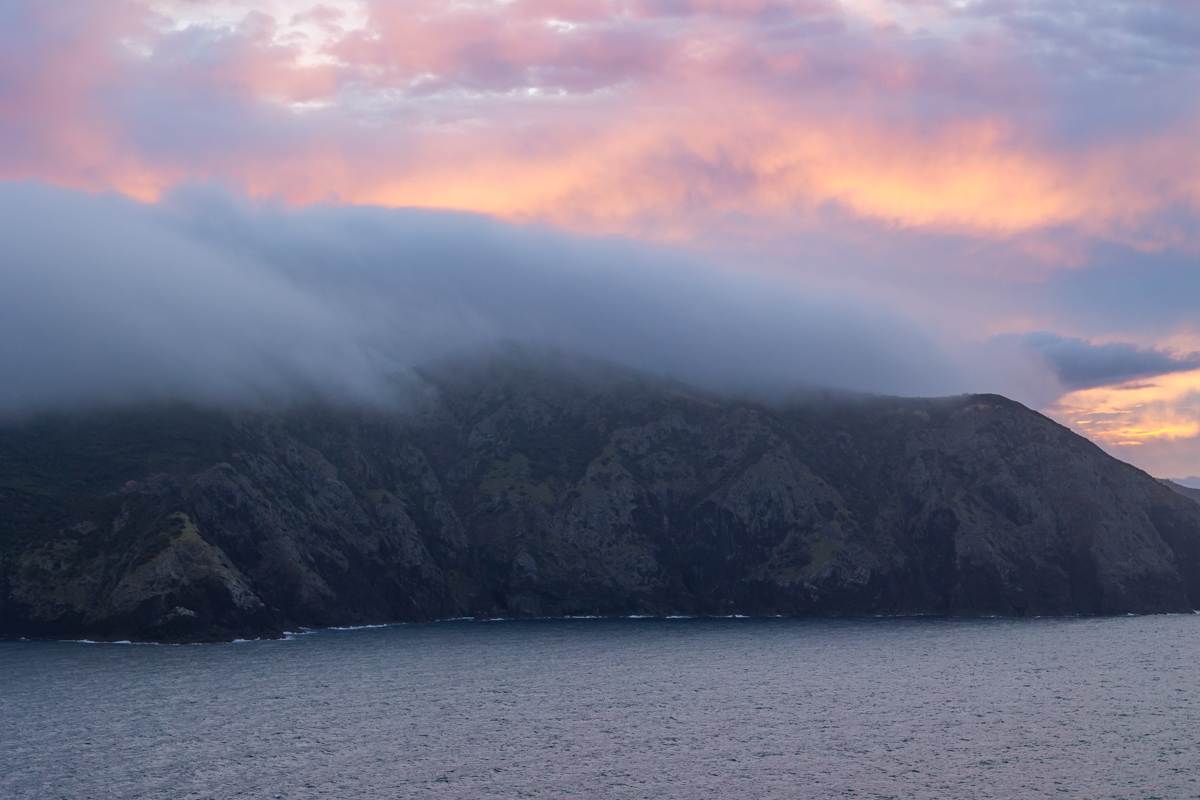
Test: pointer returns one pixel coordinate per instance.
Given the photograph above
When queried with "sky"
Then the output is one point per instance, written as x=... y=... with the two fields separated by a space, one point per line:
x=922 y=197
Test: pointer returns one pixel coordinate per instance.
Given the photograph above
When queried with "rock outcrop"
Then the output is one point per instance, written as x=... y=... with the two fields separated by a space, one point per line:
x=513 y=486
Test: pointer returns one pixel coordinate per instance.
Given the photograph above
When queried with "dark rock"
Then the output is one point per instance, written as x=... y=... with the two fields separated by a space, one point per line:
x=521 y=486
x=1186 y=491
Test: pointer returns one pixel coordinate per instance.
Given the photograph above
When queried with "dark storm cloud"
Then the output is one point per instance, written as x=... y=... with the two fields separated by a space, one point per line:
x=1080 y=364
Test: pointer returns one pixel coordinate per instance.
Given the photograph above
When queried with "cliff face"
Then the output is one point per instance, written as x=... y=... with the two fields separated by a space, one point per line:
x=511 y=488
x=1186 y=491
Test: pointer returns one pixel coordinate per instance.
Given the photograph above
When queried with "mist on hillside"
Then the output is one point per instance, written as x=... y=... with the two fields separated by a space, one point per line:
x=212 y=298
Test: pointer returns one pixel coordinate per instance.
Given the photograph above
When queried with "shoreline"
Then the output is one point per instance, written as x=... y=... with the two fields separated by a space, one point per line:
x=293 y=635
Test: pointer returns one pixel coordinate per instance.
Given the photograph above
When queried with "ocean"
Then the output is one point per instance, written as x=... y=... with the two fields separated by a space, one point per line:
x=630 y=708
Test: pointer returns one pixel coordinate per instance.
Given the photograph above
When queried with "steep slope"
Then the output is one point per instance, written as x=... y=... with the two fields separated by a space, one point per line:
x=1186 y=491
x=519 y=486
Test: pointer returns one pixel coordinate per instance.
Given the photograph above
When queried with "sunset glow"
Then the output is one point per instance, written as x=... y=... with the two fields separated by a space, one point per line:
x=972 y=165
x=1164 y=411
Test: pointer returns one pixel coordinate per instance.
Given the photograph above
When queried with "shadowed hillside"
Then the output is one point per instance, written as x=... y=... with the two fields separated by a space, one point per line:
x=522 y=485
x=1186 y=491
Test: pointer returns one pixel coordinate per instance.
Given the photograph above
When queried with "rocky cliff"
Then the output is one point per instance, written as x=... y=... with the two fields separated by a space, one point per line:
x=512 y=486
x=1186 y=491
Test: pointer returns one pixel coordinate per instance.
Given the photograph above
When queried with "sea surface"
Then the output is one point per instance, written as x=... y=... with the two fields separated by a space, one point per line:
x=687 y=708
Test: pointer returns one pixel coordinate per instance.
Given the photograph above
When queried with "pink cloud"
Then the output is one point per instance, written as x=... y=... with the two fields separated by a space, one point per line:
x=656 y=117
x=997 y=132
x=424 y=47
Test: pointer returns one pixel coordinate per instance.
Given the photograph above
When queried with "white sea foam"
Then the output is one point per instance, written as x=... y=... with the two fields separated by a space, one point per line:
x=292 y=635
x=363 y=627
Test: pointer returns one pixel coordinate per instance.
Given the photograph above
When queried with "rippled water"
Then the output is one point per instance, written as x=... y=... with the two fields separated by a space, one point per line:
x=1098 y=708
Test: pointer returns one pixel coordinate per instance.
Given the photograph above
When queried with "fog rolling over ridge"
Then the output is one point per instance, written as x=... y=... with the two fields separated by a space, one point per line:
x=211 y=298
x=547 y=479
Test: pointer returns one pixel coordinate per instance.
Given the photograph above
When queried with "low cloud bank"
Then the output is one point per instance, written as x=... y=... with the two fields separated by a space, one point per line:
x=1081 y=364
x=215 y=299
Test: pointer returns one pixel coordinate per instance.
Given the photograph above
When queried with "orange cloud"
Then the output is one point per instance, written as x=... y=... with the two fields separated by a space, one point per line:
x=679 y=171
x=653 y=118
x=665 y=119
x=1136 y=413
